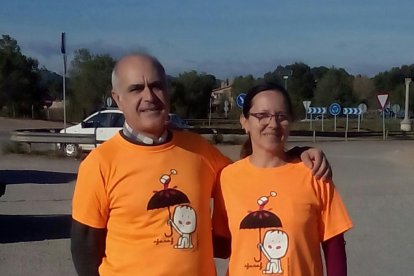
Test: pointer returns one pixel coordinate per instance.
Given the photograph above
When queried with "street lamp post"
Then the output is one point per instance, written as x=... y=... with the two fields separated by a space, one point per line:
x=286 y=79
x=209 y=115
x=406 y=124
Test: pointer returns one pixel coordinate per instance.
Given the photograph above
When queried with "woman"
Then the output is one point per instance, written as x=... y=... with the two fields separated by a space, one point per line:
x=278 y=213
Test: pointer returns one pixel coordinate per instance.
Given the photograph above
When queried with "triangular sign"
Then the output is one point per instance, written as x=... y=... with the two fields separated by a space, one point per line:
x=382 y=99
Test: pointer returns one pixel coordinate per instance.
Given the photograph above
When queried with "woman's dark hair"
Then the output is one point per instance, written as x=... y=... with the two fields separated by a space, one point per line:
x=247 y=149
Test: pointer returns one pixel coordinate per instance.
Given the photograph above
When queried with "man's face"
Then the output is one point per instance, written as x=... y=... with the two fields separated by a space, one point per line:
x=141 y=94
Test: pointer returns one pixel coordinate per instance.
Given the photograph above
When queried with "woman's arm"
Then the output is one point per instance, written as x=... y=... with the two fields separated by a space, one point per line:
x=335 y=256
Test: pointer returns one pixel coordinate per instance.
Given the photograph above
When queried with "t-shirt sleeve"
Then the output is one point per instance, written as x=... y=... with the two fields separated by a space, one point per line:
x=90 y=203
x=217 y=162
x=220 y=219
x=334 y=216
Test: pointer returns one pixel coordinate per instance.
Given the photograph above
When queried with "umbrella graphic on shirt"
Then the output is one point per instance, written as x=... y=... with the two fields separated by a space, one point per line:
x=167 y=197
x=261 y=219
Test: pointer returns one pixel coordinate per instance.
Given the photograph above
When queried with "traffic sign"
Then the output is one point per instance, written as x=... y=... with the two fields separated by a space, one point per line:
x=306 y=105
x=317 y=110
x=382 y=99
x=363 y=107
x=352 y=111
x=334 y=109
x=240 y=100
x=396 y=108
x=226 y=105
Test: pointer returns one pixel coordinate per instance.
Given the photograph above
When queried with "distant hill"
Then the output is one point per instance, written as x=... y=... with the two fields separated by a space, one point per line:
x=53 y=83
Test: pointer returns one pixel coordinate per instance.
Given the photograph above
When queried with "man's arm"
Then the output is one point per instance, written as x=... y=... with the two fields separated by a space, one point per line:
x=87 y=247
x=315 y=160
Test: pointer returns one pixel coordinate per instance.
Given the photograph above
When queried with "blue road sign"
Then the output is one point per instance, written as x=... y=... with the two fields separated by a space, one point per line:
x=240 y=100
x=335 y=109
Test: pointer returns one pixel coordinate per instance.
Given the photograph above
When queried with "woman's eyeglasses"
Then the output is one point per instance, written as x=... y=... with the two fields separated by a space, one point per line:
x=265 y=117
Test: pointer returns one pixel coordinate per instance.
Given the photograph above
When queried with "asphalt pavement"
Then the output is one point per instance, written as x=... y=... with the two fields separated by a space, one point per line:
x=375 y=179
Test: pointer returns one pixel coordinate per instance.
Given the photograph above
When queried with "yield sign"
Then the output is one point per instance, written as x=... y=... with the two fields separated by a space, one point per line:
x=306 y=105
x=382 y=99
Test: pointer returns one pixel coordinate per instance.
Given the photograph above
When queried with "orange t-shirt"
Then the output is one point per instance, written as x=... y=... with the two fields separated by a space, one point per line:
x=154 y=202
x=277 y=218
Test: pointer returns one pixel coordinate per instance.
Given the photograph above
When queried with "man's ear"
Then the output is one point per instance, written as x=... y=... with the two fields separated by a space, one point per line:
x=243 y=123
x=115 y=96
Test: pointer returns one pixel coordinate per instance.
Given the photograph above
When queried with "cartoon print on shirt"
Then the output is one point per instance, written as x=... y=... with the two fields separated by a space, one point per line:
x=275 y=243
x=184 y=222
x=167 y=197
x=274 y=247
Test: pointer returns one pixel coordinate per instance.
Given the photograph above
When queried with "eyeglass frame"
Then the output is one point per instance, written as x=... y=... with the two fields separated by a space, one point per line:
x=267 y=117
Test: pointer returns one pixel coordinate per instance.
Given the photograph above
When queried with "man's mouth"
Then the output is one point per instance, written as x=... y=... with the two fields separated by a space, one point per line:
x=151 y=109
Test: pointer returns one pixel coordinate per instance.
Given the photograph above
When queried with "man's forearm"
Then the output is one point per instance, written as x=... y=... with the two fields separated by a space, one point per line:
x=87 y=247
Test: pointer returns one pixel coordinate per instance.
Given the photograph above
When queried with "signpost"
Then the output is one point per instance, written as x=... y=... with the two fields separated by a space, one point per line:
x=63 y=51
x=351 y=111
x=382 y=100
x=306 y=105
x=226 y=107
x=334 y=110
x=316 y=110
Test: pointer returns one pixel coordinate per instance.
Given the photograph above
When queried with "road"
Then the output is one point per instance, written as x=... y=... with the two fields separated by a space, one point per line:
x=374 y=178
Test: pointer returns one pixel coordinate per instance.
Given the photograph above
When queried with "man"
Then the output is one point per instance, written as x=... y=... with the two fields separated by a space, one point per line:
x=141 y=204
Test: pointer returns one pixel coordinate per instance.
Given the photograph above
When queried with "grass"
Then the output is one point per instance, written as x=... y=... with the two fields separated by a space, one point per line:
x=365 y=125
x=23 y=148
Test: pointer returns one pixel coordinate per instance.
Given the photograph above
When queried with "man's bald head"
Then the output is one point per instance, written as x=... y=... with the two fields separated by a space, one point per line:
x=124 y=61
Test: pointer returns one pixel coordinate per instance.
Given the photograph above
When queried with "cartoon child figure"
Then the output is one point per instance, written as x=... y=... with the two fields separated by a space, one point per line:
x=274 y=247
x=184 y=223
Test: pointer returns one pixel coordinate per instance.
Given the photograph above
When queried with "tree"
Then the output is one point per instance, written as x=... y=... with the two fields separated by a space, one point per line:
x=20 y=89
x=335 y=86
x=393 y=82
x=191 y=94
x=90 y=77
x=53 y=83
x=243 y=84
x=301 y=86
x=364 y=90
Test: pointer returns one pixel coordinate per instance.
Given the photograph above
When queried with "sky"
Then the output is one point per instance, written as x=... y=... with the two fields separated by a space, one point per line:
x=225 y=38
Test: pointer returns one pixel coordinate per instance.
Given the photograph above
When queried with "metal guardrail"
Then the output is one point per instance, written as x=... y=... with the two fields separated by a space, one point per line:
x=53 y=136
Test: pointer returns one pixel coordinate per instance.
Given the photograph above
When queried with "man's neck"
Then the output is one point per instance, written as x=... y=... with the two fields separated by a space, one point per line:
x=143 y=138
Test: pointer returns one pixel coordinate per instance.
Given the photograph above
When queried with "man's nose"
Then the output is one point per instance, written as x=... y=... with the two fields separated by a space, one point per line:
x=148 y=94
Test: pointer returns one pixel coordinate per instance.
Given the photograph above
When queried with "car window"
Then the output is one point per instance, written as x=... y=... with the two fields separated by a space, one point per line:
x=118 y=120
x=92 y=122
x=104 y=120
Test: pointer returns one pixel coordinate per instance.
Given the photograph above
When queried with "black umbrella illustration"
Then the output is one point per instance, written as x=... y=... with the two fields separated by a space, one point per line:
x=167 y=197
x=261 y=219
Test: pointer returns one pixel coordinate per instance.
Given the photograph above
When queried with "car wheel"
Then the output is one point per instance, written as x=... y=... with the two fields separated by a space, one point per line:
x=70 y=150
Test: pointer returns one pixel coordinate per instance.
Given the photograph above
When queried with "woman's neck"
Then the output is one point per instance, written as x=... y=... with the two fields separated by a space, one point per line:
x=266 y=159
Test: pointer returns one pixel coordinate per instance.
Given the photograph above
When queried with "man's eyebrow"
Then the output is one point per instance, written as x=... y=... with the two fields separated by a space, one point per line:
x=155 y=83
x=138 y=86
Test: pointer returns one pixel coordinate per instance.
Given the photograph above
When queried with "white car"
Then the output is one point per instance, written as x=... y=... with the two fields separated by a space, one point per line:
x=104 y=124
